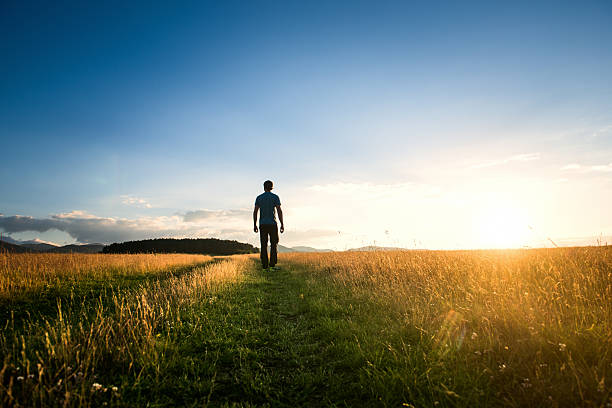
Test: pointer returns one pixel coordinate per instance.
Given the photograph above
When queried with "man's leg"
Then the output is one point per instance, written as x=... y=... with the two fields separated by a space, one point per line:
x=273 y=244
x=263 y=240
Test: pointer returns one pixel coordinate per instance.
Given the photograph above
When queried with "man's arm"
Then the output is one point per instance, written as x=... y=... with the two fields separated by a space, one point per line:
x=255 y=219
x=280 y=217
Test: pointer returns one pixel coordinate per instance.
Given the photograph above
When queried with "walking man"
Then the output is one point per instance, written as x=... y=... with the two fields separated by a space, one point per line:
x=268 y=204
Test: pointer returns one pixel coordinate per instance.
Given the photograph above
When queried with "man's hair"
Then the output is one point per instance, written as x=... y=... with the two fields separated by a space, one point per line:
x=268 y=185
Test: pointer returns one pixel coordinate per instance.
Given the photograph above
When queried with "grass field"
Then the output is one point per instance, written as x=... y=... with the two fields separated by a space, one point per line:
x=405 y=328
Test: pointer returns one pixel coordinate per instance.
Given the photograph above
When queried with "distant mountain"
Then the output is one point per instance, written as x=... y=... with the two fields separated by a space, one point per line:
x=8 y=247
x=6 y=238
x=284 y=249
x=37 y=245
x=376 y=248
x=82 y=249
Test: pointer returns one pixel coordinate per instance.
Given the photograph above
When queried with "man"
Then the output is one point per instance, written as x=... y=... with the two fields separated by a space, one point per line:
x=268 y=203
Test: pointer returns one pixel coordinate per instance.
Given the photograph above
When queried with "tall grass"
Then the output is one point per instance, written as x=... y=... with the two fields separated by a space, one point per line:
x=532 y=326
x=31 y=272
x=79 y=356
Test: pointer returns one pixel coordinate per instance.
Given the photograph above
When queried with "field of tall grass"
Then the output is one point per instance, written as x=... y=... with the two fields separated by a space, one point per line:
x=79 y=353
x=533 y=326
x=420 y=328
x=27 y=273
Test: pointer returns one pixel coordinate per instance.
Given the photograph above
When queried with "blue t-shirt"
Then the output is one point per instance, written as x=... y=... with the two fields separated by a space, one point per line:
x=267 y=212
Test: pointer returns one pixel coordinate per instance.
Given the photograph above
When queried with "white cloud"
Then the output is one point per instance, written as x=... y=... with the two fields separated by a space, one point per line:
x=603 y=131
x=605 y=168
x=371 y=190
x=516 y=158
x=135 y=201
x=600 y=168
x=209 y=215
x=571 y=166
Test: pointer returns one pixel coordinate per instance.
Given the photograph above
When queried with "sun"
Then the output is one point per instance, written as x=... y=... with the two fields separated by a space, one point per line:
x=502 y=227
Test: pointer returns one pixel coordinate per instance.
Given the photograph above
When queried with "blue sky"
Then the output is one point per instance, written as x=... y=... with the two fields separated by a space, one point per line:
x=396 y=122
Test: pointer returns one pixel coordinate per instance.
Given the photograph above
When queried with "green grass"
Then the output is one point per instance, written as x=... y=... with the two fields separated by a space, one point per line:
x=42 y=302
x=280 y=339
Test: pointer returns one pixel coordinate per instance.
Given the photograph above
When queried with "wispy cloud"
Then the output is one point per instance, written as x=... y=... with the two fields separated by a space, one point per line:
x=571 y=166
x=373 y=190
x=579 y=168
x=516 y=158
x=209 y=215
x=603 y=131
x=135 y=201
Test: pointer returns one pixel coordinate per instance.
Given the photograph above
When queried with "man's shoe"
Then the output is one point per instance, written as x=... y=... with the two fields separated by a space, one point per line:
x=275 y=268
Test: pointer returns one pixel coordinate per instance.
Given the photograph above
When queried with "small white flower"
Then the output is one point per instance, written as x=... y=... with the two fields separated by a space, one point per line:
x=20 y=378
x=96 y=386
x=115 y=388
x=474 y=335
x=562 y=346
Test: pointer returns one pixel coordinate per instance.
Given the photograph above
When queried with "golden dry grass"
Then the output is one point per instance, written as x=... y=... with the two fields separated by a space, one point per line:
x=532 y=321
x=56 y=360
x=29 y=272
x=504 y=328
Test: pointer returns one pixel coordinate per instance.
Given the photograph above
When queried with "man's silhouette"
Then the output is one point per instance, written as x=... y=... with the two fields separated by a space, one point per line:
x=268 y=203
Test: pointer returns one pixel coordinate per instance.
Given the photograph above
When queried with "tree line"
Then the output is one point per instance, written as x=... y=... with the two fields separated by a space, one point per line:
x=209 y=246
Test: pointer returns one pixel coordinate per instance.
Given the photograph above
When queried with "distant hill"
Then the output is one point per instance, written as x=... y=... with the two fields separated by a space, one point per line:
x=37 y=245
x=8 y=247
x=376 y=248
x=284 y=249
x=310 y=249
x=82 y=249
x=209 y=246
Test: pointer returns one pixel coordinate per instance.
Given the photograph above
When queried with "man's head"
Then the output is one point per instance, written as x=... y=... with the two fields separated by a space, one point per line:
x=268 y=185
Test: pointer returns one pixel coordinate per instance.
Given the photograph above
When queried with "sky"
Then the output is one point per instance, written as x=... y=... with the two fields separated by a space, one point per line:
x=435 y=124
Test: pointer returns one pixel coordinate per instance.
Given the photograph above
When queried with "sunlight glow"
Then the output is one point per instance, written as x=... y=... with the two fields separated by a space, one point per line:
x=503 y=227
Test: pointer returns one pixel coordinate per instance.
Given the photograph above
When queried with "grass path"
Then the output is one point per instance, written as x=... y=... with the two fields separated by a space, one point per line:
x=273 y=340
